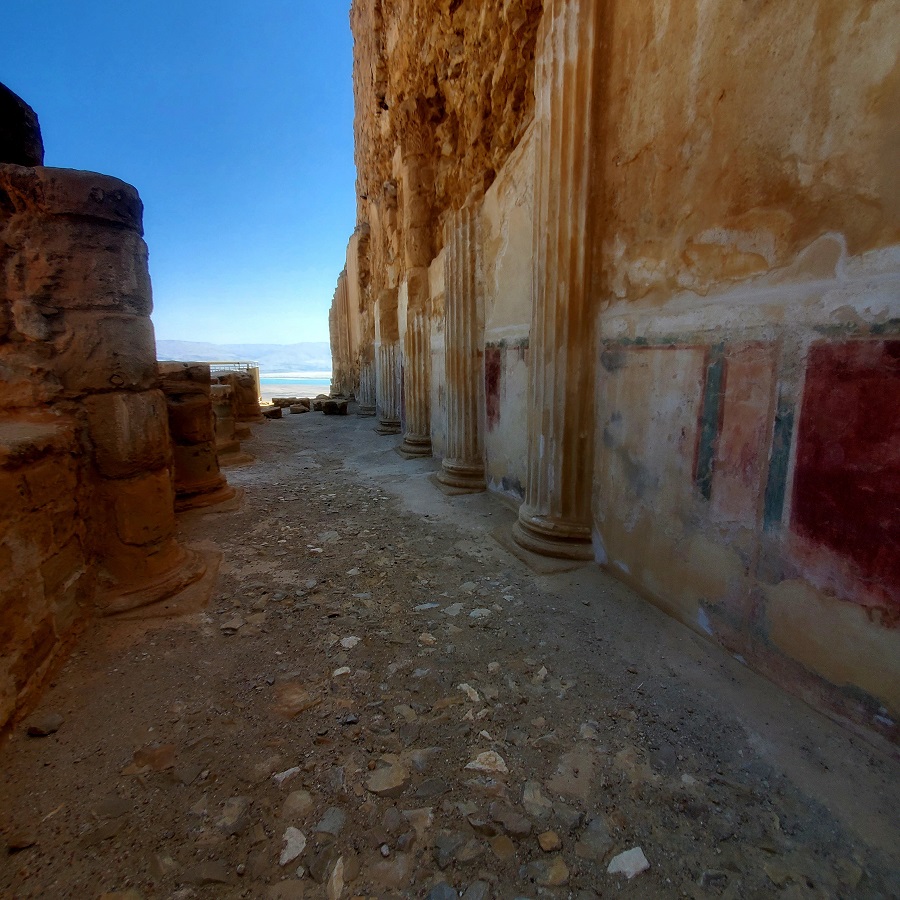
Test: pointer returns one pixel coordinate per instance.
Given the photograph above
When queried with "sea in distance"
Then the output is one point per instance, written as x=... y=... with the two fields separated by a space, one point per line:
x=294 y=384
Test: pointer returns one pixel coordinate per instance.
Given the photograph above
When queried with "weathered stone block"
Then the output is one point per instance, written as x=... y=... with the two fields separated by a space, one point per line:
x=129 y=432
x=143 y=508
x=191 y=419
x=105 y=352
x=69 y=192
x=89 y=265
x=185 y=377
x=196 y=468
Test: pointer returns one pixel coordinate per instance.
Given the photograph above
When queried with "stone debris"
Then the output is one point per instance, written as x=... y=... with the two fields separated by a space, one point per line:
x=477 y=890
x=335 y=885
x=207 y=873
x=594 y=842
x=630 y=863
x=348 y=643
x=294 y=844
x=389 y=781
x=281 y=777
x=332 y=822
x=470 y=692
x=548 y=873
x=479 y=613
x=513 y=822
x=235 y=815
x=490 y=762
x=44 y=724
x=549 y=841
x=441 y=891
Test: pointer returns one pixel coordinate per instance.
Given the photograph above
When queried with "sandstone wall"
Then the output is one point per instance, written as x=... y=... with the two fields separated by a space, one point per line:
x=687 y=271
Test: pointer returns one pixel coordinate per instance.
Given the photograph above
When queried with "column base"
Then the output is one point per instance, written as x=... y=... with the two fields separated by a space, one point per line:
x=112 y=598
x=197 y=498
x=461 y=477
x=365 y=411
x=388 y=426
x=415 y=445
x=547 y=538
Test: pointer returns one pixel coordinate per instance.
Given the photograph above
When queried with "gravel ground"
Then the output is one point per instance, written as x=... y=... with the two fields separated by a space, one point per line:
x=379 y=700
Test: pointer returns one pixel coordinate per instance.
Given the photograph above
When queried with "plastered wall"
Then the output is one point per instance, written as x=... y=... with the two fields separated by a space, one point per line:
x=748 y=427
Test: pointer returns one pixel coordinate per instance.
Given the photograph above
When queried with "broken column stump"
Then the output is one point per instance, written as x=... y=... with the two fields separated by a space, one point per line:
x=198 y=480
x=77 y=355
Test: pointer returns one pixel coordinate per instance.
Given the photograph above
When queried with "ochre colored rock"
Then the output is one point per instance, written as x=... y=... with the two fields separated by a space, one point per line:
x=84 y=436
x=198 y=480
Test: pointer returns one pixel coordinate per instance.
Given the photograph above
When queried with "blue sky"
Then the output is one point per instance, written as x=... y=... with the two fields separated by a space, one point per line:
x=234 y=121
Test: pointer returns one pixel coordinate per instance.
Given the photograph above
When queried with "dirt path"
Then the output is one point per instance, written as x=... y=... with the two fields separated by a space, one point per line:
x=384 y=700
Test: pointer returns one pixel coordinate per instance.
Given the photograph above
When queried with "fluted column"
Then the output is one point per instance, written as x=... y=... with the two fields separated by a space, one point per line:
x=387 y=362
x=388 y=388
x=463 y=467
x=555 y=519
x=417 y=375
x=366 y=390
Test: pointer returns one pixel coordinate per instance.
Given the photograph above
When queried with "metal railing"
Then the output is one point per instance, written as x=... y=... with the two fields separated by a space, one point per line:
x=223 y=367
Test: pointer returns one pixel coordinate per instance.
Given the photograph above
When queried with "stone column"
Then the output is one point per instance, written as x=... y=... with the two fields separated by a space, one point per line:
x=366 y=397
x=463 y=467
x=198 y=480
x=555 y=519
x=416 y=195
x=417 y=377
x=342 y=353
x=78 y=346
x=387 y=363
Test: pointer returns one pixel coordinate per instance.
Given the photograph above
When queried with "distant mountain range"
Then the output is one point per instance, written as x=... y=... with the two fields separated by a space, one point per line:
x=313 y=356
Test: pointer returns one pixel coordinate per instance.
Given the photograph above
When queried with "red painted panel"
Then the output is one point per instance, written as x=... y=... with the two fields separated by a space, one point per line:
x=493 y=373
x=847 y=474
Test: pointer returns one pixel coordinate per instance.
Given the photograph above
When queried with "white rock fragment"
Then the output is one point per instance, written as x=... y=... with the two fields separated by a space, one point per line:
x=427 y=640
x=348 y=643
x=453 y=610
x=352 y=572
x=335 y=886
x=493 y=667
x=470 y=692
x=490 y=762
x=343 y=670
x=689 y=780
x=479 y=613
x=287 y=774
x=423 y=606
x=630 y=863
x=294 y=845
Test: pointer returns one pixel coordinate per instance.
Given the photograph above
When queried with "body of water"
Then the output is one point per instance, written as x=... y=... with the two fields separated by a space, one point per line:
x=291 y=384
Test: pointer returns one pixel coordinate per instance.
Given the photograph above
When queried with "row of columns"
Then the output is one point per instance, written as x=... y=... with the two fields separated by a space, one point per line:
x=555 y=517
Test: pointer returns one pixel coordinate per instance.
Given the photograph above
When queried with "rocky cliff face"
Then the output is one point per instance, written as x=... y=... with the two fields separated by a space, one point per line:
x=454 y=79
